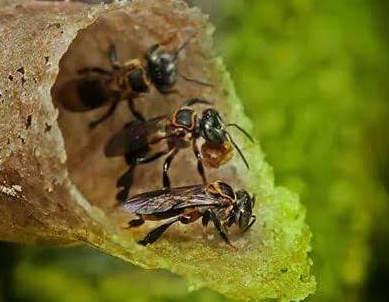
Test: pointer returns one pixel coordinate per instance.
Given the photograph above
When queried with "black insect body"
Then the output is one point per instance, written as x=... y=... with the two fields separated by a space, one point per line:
x=95 y=87
x=216 y=202
x=142 y=142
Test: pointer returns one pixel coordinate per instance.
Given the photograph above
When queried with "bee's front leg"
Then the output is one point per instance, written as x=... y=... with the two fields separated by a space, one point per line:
x=200 y=167
x=218 y=226
x=166 y=166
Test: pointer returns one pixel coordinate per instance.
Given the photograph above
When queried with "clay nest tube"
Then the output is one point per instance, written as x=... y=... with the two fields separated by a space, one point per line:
x=57 y=187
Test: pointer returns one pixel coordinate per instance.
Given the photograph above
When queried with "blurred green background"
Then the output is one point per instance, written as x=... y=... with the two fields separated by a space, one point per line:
x=313 y=78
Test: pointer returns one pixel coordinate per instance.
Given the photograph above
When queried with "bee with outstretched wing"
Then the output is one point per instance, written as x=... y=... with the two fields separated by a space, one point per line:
x=142 y=142
x=216 y=202
x=95 y=87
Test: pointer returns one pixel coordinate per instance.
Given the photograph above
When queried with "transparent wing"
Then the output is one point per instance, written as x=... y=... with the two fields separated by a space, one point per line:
x=83 y=93
x=135 y=136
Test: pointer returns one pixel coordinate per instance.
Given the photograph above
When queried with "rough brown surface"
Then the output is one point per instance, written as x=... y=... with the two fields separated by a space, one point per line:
x=56 y=186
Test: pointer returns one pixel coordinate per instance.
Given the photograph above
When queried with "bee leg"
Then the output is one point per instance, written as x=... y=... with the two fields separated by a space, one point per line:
x=200 y=82
x=194 y=101
x=152 y=49
x=166 y=166
x=135 y=113
x=153 y=235
x=171 y=91
x=125 y=181
x=206 y=218
x=136 y=222
x=230 y=220
x=109 y=112
x=98 y=70
x=146 y=160
x=200 y=167
x=204 y=221
x=216 y=222
x=253 y=219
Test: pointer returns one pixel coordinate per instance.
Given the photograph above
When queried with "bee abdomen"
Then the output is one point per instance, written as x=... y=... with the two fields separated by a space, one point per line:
x=92 y=93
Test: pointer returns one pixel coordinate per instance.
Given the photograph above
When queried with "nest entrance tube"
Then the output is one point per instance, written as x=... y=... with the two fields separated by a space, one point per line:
x=56 y=186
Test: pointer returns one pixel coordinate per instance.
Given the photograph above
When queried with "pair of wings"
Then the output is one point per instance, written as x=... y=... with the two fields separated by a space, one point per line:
x=162 y=201
x=135 y=136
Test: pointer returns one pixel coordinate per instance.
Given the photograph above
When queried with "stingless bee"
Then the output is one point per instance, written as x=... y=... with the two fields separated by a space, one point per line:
x=96 y=87
x=216 y=202
x=142 y=142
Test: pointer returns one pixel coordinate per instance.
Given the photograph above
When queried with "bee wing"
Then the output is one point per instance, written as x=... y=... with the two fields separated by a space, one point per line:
x=134 y=136
x=82 y=93
x=162 y=201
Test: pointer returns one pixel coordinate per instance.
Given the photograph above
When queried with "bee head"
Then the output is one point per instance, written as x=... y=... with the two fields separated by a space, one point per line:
x=243 y=209
x=212 y=128
x=161 y=68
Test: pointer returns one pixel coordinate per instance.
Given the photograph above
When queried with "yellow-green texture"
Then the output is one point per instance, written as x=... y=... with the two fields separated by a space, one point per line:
x=309 y=75
x=57 y=186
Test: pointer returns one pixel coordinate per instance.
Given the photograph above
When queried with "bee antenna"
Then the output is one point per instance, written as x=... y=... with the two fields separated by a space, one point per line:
x=239 y=151
x=241 y=130
x=254 y=199
x=194 y=80
x=183 y=45
x=194 y=101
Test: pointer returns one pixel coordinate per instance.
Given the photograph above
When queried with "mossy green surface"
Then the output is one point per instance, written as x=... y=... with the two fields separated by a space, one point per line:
x=308 y=74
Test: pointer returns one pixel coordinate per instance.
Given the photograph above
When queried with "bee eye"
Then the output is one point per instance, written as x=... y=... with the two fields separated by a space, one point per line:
x=244 y=219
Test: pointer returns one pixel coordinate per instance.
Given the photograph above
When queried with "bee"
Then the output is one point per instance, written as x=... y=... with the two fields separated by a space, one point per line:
x=217 y=202
x=142 y=142
x=95 y=87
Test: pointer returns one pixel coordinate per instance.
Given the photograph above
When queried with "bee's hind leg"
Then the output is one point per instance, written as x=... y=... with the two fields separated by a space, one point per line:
x=153 y=235
x=136 y=222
